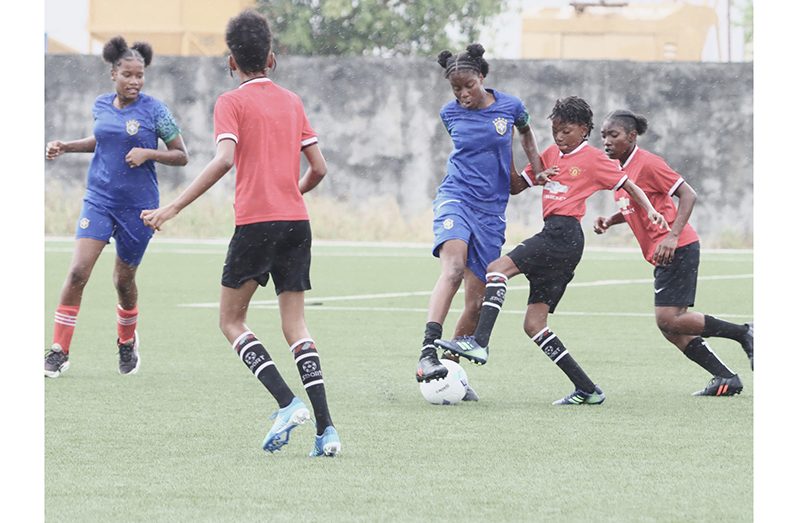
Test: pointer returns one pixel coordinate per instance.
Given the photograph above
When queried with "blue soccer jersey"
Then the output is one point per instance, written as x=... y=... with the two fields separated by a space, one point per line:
x=111 y=181
x=478 y=169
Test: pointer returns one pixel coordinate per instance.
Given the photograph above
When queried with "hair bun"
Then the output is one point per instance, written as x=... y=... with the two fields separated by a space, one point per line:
x=475 y=50
x=114 y=49
x=443 y=58
x=145 y=50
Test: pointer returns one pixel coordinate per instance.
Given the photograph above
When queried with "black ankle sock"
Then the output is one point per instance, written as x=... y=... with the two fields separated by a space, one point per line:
x=307 y=362
x=551 y=345
x=698 y=351
x=495 y=291
x=723 y=329
x=257 y=359
x=433 y=331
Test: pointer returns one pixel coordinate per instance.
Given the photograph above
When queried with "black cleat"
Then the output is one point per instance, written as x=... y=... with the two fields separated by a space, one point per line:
x=429 y=366
x=748 y=343
x=722 y=387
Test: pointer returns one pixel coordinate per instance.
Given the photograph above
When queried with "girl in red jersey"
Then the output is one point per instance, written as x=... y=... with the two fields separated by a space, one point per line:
x=261 y=128
x=674 y=253
x=549 y=258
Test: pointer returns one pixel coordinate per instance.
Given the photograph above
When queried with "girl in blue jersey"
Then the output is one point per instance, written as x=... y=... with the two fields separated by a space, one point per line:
x=469 y=207
x=121 y=182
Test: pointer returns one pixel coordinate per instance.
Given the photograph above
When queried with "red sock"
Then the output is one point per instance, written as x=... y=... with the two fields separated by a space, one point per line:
x=126 y=323
x=66 y=316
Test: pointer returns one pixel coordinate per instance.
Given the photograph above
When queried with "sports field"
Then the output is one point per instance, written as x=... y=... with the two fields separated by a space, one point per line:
x=180 y=441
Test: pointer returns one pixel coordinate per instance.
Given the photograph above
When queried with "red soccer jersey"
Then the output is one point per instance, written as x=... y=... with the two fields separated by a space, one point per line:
x=582 y=172
x=270 y=128
x=659 y=182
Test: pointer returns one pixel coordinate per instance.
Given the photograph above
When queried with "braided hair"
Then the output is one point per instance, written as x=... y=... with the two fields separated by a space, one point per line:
x=469 y=60
x=573 y=110
x=249 y=39
x=629 y=121
x=116 y=49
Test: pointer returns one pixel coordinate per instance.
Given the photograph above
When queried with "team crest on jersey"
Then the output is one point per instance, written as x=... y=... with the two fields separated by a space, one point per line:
x=132 y=127
x=574 y=171
x=448 y=223
x=84 y=223
x=501 y=125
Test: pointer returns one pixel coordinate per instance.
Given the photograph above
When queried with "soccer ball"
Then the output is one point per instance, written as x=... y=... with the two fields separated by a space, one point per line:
x=449 y=390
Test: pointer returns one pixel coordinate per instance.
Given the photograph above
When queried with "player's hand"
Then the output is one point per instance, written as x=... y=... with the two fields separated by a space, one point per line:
x=659 y=220
x=54 y=149
x=601 y=225
x=154 y=218
x=663 y=255
x=137 y=156
x=542 y=177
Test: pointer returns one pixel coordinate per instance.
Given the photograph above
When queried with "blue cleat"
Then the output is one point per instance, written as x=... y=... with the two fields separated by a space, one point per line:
x=285 y=420
x=328 y=444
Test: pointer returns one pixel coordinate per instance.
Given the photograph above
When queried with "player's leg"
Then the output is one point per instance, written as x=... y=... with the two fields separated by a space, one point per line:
x=453 y=254
x=724 y=382
x=84 y=257
x=247 y=265
x=132 y=238
x=536 y=327
x=306 y=357
x=474 y=290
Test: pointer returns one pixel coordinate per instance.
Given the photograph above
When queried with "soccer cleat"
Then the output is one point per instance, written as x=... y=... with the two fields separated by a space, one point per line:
x=748 y=343
x=285 y=420
x=467 y=347
x=429 y=366
x=578 y=397
x=56 y=361
x=471 y=394
x=129 y=359
x=328 y=444
x=722 y=387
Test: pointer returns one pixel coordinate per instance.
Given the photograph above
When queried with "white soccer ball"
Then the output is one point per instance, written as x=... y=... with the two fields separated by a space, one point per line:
x=449 y=390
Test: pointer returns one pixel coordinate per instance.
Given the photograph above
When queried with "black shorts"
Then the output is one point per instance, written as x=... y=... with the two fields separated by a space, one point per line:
x=281 y=249
x=548 y=259
x=675 y=283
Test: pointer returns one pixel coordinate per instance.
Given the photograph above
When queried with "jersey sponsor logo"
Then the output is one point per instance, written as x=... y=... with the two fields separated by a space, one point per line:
x=132 y=126
x=555 y=187
x=448 y=223
x=574 y=171
x=501 y=125
x=84 y=223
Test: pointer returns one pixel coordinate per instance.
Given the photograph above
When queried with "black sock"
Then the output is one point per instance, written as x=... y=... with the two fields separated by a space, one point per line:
x=723 y=329
x=554 y=349
x=698 y=351
x=433 y=331
x=307 y=363
x=495 y=291
x=254 y=355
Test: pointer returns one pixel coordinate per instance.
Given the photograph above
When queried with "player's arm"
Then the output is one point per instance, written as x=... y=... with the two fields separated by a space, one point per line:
x=663 y=254
x=517 y=182
x=212 y=173
x=530 y=146
x=175 y=154
x=641 y=199
x=602 y=223
x=56 y=148
x=317 y=168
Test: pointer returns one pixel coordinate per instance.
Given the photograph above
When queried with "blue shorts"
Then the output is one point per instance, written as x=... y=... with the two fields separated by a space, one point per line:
x=123 y=225
x=483 y=232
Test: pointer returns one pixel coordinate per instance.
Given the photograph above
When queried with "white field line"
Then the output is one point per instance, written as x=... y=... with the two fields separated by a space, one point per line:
x=310 y=301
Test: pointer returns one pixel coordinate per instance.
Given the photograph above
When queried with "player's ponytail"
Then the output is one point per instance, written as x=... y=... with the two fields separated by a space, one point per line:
x=629 y=121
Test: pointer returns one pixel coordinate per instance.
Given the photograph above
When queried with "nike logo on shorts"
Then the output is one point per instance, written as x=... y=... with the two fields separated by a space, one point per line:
x=657 y=291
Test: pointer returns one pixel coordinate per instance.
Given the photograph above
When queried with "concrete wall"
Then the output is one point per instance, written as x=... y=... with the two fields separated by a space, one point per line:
x=379 y=127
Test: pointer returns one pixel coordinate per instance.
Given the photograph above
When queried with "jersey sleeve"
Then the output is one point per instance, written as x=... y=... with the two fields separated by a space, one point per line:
x=445 y=120
x=225 y=120
x=309 y=136
x=660 y=177
x=165 y=125
x=521 y=116
x=608 y=174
